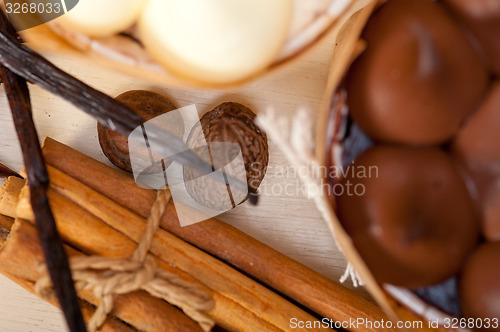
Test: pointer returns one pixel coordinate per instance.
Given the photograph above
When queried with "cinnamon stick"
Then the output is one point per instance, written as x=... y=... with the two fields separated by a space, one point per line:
x=21 y=255
x=5 y=227
x=139 y=309
x=9 y=195
x=224 y=241
x=82 y=230
x=114 y=184
x=209 y=271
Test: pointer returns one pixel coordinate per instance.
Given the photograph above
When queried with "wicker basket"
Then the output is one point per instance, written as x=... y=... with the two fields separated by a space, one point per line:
x=400 y=304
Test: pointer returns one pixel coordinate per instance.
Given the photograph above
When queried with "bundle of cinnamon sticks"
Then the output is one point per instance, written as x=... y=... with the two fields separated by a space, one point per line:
x=101 y=211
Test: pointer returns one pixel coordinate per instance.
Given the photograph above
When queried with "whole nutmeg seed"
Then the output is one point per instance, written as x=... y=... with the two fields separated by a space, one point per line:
x=148 y=105
x=227 y=123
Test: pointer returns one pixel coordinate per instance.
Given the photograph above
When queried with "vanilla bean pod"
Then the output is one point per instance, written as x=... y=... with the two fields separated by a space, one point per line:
x=17 y=92
x=108 y=111
x=55 y=256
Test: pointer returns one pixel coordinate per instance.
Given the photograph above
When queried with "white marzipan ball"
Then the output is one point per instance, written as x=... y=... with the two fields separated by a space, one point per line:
x=215 y=41
x=101 y=18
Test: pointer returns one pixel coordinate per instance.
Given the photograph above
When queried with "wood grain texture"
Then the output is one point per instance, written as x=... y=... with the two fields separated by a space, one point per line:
x=284 y=219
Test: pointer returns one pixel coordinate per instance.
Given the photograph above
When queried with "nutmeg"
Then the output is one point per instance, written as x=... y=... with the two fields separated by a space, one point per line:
x=418 y=78
x=476 y=148
x=148 y=105
x=409 y=214
x=479 y=287
x=228 y=123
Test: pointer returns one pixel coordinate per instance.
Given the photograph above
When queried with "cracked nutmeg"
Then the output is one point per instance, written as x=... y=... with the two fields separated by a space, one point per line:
x=145 y=103
x=232 y=125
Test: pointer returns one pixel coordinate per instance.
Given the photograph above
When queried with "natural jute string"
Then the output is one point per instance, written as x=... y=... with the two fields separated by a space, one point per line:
x=108 y=277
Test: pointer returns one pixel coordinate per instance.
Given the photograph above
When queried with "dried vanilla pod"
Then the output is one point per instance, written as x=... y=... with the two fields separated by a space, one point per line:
x=229 y=122
x=18 y=95
x=146 y=104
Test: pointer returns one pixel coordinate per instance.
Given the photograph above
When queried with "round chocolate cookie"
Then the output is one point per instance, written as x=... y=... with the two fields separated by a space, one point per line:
x=476 y=149
x=479 y=286
x=418 y=78
x=482 y=18
x=409 y=214
x=148 y=105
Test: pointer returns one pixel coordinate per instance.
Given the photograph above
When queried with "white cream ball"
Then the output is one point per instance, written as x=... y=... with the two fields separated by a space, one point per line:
x=215 y=41
x=102 y=18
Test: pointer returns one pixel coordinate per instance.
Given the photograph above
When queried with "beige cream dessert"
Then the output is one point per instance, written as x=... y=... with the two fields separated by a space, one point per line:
x=208 y=41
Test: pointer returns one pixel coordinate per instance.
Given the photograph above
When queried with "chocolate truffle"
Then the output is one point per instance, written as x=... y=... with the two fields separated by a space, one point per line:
x=412 y=220
x=479 y=286
x=148 y=105
x=476 y=148
x=418 y=77
x=482 y=18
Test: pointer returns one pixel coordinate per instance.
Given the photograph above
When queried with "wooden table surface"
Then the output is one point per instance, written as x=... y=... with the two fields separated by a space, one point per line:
x=284 y=219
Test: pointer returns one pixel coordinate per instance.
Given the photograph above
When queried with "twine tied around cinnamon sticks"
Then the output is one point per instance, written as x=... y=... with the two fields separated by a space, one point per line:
x=108 y=277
